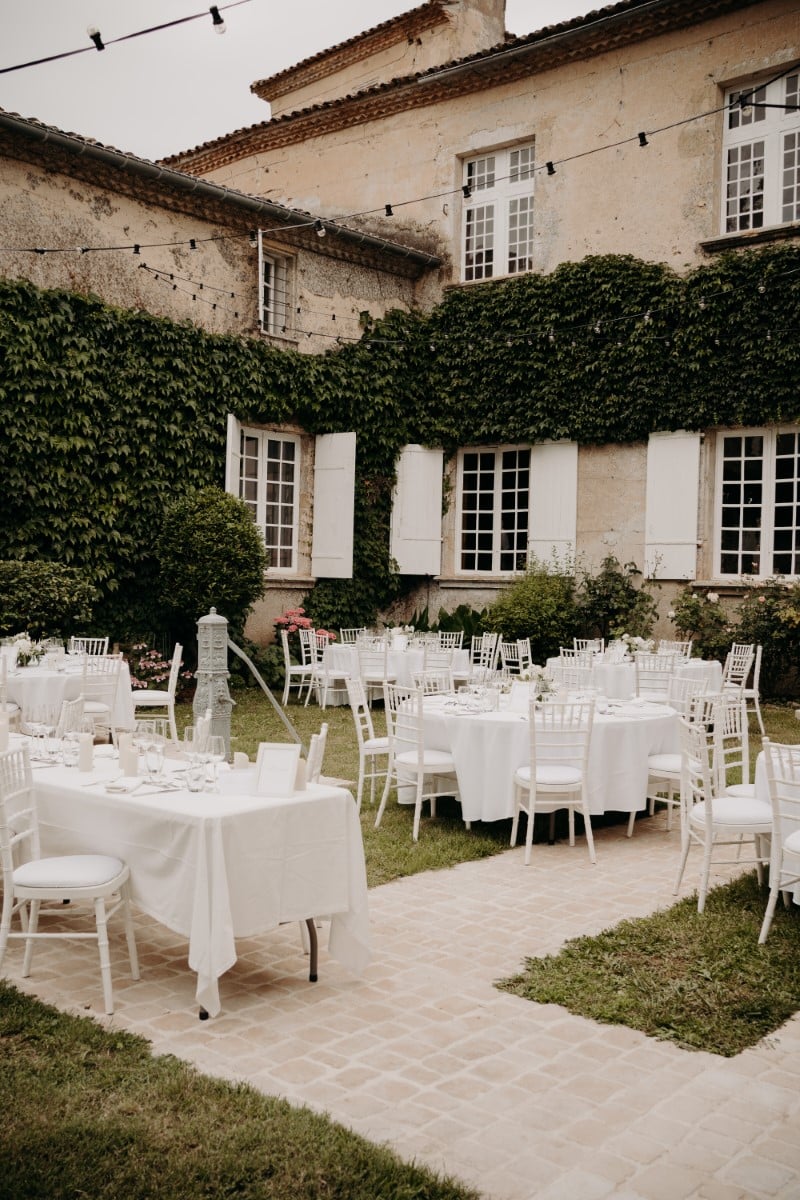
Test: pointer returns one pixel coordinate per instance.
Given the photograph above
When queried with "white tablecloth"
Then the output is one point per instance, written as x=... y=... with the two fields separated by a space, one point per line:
x=37 y=689
x=400 y=662
x=488 y=747
x=214 y=867
x=618 y=680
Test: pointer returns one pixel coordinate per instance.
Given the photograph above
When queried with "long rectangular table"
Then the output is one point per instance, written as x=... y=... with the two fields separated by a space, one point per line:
x=213 y=867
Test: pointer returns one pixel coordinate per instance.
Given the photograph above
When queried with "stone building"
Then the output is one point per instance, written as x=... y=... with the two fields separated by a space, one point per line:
x=668 y=130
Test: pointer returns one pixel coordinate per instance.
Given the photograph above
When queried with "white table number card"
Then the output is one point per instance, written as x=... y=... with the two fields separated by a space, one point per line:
x=276 y=768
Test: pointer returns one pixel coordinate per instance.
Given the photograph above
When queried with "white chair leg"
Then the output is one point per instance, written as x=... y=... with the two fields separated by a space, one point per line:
x=386 y=791
x=587 y=822
x=682 y=863
x=529 y=829
x=631 y=820
x=105 y=956
x=130 y=934
x=33 y=925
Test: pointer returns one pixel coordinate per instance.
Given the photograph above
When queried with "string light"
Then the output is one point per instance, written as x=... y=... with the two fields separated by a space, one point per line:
x=319 y=228
x=388 y=210
x=551 y=170
x=643 y=139
x=94 y=34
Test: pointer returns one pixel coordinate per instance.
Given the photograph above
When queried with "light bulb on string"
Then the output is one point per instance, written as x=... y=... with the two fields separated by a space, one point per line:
x=94 y=34
x=219 y=24
x=643 y=139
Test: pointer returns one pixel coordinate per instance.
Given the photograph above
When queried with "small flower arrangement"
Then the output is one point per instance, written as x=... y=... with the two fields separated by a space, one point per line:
x=637 y=643
x=28 y=651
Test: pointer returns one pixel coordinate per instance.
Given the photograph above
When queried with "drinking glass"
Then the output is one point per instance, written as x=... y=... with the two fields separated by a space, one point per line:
x=216 y=755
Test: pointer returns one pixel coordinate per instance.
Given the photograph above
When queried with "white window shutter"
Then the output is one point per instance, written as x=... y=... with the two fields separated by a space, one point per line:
x=673 y=484
x=334 y=491
x=233 y=447
x=416 y=530
x=553 y=500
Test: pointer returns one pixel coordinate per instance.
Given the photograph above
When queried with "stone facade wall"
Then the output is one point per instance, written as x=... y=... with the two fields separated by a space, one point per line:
x=655 y=202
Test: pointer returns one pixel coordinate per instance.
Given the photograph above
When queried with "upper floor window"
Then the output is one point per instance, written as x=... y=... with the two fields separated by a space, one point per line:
x=758 y=502
x=762 y=156
x=269 y=477
x=497 y=237
x=493 y=509
x=274 y=291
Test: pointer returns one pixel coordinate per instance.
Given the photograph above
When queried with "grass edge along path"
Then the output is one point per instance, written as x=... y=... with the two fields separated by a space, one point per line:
x=91 y=1112
x=699 y=980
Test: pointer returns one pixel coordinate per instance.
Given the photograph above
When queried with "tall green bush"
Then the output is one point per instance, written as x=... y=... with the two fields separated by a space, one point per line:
x=616 y=600
x=770 y=617
x=44 y=598
x=210 y=554
x=699 y=615
x=540 y=605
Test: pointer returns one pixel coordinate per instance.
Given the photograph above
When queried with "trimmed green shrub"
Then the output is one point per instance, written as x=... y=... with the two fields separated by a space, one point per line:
x=614 y=601
x=209 y=554
x=700 y=616
x=770 y=617
x=44 y=598
x=540 y=605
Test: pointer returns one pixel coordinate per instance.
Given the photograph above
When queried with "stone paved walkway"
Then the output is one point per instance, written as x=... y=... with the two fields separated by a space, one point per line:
x=520 y=1100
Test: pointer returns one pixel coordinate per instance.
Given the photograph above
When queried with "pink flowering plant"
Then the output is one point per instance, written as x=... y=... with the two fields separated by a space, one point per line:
x=292 y=620
x=149 y=669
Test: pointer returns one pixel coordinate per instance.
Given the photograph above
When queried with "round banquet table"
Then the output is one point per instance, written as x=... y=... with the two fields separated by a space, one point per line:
x=488 y=747
x=401 y=661
x=617 y=681
x=40 y=692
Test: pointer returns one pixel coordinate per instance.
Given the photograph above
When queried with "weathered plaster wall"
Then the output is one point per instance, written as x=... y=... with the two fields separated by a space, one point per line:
x=655 y=202
x=50 y=209
x=468 y=27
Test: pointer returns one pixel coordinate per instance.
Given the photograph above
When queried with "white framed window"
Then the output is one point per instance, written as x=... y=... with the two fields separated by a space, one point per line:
x=493 y=510
x=269 y=484
x=497 y=213
x=758 y=503
x=761 y=155
x=274 y=305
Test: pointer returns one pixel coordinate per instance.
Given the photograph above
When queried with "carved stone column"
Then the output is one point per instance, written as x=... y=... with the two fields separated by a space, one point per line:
x=212 y=676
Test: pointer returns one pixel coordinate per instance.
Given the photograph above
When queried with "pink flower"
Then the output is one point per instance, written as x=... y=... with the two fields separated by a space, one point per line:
x=762 y=599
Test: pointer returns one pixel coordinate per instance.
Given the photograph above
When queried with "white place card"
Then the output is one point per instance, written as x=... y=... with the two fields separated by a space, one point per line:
x=276 y=768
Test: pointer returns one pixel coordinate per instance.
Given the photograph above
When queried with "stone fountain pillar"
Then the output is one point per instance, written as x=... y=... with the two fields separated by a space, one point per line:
x=212 y=676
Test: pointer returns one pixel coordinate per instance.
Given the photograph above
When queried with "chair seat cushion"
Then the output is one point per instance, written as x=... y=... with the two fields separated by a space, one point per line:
x=151 y=696
x=747 y=790
x=736 y=812
x=95 y=708
x=433 y=760
x=792 y=843
x=664 y=764
x=69 y=871
x=376 y=744
x=551 y=775
x=10 y=707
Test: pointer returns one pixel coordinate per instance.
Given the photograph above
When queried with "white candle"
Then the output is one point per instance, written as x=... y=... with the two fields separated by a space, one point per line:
x=85 y=751
x=240 y=760
x=300 y=777
x=128 y=757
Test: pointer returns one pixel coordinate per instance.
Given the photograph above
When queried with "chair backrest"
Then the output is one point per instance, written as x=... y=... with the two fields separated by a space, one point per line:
x=669 y=646
x=451 y=640
x=174 y=670
x=510 y=657
x=756 y=671
x=738 y=662
x=100 y=679
x=435 y=658
x=3 y=682
x=561 y=732
x=574 y=668
x=357 y=695
x=782 y=764
x=287 y=657
x=403 y=706
x=696 y=778
x=653 y=672
x=525 y=654
x=71 y=717
x=435 y=682
x=348 y=637
x=593 y=645
x=19 y=825
x=373 y=665
x=316 y=753
x=308 y=646
x=88 y=645
x=682 y=691
x=731 y=741
x=485 y=650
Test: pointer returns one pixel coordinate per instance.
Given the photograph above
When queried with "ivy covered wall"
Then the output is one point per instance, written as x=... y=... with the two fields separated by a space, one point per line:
x=107 y=414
